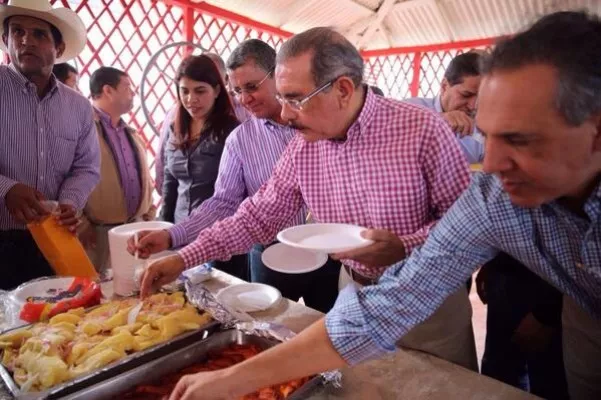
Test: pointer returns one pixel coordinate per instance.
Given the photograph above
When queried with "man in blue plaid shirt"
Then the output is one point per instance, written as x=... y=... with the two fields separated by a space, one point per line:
x=539 y=201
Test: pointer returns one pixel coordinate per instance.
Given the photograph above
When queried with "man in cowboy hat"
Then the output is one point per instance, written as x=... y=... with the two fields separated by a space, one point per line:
x=48 y=147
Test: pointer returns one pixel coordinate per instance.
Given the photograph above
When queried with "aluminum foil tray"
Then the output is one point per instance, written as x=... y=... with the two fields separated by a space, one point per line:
x=174 y=361
x=112 y=370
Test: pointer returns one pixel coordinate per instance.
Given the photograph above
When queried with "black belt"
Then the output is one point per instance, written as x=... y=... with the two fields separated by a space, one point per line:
x=357 y=277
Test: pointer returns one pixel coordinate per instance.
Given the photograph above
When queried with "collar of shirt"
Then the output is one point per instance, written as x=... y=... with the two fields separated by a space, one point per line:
x=274 y=126
x=28 y=85
x=592 y=205
x=106 y=118
x=365 y=117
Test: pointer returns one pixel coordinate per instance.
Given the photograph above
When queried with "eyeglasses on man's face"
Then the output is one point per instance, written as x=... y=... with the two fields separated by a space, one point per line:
x=250 y=88
x=297 y=104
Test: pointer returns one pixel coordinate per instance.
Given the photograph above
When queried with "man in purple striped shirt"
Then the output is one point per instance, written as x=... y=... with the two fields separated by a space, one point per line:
x=250 y=154
x=124 y=193
x=48 y=145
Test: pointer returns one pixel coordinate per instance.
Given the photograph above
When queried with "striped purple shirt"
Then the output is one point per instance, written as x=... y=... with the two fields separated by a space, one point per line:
x=49 y=144
x=251 y=152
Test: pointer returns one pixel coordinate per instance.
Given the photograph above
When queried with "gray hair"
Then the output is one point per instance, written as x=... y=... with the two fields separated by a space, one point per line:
x=252 y=49
x=569 y=42
x=333 y=55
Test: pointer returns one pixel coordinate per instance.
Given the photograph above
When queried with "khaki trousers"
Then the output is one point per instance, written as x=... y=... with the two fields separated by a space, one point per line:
x=581 y=351
x=446 y=334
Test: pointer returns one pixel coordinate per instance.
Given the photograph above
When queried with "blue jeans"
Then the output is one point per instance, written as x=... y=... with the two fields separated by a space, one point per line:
x=513 y=291
x=319 y=288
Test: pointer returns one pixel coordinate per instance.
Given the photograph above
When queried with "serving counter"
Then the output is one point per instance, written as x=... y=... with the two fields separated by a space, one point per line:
x=405 y=374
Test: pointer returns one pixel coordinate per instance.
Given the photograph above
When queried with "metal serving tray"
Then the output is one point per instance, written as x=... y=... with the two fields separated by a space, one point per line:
x=111 y=370
x=177 y=360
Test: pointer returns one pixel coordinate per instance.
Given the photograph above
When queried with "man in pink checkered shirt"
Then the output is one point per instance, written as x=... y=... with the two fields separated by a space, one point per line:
x=360 y=159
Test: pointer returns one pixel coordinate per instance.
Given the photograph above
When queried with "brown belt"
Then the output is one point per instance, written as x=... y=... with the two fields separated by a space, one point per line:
x=357 y=277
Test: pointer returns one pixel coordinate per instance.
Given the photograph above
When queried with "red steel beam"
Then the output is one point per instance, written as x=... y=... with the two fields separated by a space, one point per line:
x=434 y=47
x=417 y=68
x=229 y=16
x=189 y=29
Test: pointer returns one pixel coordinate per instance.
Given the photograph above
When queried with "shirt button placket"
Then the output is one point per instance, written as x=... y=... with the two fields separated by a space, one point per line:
x=41 y=146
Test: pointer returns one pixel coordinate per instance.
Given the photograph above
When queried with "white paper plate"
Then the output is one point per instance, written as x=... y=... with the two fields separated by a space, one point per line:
x=249 y=297
x=41 y=288
x=324 y=238
x=292 y=260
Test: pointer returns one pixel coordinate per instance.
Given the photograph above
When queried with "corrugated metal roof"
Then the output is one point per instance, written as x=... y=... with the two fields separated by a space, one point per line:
x=325 y=13
x=406 y=22
x=266 y=11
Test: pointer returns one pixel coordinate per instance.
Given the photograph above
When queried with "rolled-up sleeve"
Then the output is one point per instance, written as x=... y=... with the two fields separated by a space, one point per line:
x=5 y=185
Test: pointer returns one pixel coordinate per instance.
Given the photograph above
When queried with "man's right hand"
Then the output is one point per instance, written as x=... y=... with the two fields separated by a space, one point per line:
x=24 y=204
x=460 y=122
x=161 y=272
x=149 y=243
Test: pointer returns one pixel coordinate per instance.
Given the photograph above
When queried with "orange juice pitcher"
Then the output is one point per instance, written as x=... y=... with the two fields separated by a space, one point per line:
x=62 y=249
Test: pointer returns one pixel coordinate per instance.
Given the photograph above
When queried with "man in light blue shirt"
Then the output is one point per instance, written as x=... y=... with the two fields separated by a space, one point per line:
x=540 y=202
x=540 y=371
x=457 y=103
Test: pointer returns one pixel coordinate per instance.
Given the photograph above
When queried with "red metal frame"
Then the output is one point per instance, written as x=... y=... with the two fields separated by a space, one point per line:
x=228 y=16
x=401 y=71
x=189 y=28
x=417 y=61
x=431 y=48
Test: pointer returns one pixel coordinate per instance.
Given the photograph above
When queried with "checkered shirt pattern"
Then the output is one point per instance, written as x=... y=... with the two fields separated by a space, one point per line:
x=399 y=169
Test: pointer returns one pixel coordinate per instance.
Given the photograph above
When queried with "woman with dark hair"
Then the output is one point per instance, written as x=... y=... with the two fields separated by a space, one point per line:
x=204 y=119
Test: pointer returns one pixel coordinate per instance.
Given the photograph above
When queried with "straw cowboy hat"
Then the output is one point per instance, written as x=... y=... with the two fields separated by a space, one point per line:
x=66 y=21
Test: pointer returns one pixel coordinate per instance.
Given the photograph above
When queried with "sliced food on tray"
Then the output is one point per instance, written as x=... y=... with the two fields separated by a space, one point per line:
x=227 y=357
x=77 y=342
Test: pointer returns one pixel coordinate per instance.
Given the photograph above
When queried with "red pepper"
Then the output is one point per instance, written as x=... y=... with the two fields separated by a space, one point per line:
x=31 y=312
x=83 y=282
x=90 y=296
